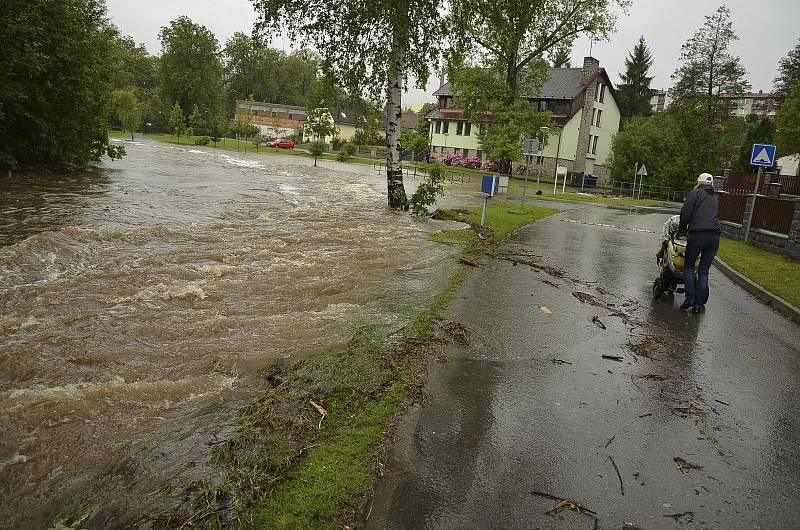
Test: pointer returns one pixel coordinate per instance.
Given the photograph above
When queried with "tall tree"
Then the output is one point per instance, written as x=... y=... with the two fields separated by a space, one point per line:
x=709 y=70
x=127 y=108
x=370 y=46
x=634 y=91
x=787 y=123
x=560 y=57
x=319 y=124
x=508 y=36
x=251 y=68
x=788 y=73
x=56 y=74
x=177 y=121
x=759 y=131
x=189 y=71
x=135 y=67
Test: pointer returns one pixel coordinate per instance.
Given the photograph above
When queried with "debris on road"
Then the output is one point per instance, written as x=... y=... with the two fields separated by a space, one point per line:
x=546 y=310
x=621 y=487
x=534 y=261
x=552 y=284
x=609 y=441
x=647 y=347
x=646 y=415
x=560 y=361
x=681 y=518
x=651 y=377
x=469 y=263
x=617 y=358
x=567 y=504
x=722 y=403
x=684 y=466
x=457 y=331
x=598 y=322
x=601 y=290
x=686 y=410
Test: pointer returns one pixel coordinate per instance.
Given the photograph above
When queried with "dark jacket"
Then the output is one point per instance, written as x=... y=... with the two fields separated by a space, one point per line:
x=700 y=212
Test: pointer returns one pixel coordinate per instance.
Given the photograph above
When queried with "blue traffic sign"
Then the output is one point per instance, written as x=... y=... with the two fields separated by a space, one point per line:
x=490 y=184
x=763 y=155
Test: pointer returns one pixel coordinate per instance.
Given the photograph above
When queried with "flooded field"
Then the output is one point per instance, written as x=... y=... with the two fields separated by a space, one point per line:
x=140 y=300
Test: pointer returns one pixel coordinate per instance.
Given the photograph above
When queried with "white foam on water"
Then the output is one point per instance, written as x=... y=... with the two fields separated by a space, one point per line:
x=160 y=291
x=149 y=394
x=238 y=162
x=290 y=190
x=198 y=152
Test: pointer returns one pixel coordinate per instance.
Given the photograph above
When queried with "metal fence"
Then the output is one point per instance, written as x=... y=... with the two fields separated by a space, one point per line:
x=774 y=215
x=646 y=191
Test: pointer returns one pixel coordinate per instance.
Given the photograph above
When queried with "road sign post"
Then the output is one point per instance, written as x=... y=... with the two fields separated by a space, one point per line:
x=762 y=155
x=489 y=185
x=642 y=173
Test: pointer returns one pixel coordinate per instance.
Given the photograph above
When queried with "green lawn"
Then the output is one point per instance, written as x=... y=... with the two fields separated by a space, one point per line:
x=774 y=272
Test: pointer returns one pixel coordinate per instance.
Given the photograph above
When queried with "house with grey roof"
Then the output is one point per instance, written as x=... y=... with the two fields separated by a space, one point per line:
x=583 y=103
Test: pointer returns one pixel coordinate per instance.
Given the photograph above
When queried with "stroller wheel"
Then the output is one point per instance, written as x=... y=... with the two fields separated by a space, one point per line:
x=658 y=288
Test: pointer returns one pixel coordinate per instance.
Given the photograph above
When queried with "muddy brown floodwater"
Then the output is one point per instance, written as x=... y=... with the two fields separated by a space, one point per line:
x=139 y=301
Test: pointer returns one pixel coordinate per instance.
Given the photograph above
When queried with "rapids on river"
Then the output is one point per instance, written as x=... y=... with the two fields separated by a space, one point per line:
x=141 y=298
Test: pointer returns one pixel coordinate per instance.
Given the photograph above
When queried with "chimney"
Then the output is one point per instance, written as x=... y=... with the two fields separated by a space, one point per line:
x=442 y=79
x=590 y=65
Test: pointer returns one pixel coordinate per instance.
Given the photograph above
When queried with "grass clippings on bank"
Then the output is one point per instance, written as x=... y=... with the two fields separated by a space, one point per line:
x=306 y=451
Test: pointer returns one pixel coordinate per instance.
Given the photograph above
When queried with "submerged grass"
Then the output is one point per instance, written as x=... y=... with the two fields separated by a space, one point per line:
x=288 y=465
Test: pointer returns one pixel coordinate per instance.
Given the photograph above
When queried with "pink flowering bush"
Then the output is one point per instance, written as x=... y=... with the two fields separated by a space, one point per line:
x=452 y=160
x=473 y=162
x=490 y=165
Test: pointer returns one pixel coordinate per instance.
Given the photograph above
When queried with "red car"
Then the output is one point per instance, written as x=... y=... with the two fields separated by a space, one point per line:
x=281 y=144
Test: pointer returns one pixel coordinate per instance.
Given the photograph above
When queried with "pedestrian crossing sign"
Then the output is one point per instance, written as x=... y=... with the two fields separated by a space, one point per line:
x=763 y=155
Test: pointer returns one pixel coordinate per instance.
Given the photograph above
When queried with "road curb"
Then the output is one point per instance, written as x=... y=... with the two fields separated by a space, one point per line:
x=775 y=302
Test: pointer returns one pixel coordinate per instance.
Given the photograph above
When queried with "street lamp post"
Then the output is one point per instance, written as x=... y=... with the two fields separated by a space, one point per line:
x=555 y=172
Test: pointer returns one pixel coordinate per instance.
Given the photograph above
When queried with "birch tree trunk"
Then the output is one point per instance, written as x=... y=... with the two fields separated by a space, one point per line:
x=394 y=115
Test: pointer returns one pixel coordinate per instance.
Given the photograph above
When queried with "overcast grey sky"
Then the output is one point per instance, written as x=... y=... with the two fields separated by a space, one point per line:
x=768 y=29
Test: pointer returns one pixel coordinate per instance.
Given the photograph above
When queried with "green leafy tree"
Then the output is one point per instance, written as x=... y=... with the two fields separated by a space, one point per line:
x=787 y=124
x=370 y=46
x=709 y=70
x=319 y=125
x=657 y=142
x=219 y=127
x=427 y=191
x=56 y=80
x=761 y=131
x=788 y=73
x=177 y=121
x=135 y=67
x=251 y=68
x=413 y=142
x=634 y=91
x=196 y=121
x=189 y=70
x=128 y=109
x=423 y=125
x=502 y=136
x=316 y=149
x=560 y=56
x=510 y=36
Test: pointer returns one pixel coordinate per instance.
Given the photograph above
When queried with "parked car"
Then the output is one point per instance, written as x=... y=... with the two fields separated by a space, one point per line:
x=281 y=144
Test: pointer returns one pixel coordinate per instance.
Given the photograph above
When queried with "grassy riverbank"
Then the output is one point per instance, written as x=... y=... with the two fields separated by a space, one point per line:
x=305 y=453
x=774 y=272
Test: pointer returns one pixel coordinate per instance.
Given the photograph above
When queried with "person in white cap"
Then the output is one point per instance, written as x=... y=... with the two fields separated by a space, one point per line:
x=700 y=219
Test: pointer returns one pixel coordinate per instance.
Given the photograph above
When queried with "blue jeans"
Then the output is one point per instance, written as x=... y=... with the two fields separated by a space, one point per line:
x=705 y=245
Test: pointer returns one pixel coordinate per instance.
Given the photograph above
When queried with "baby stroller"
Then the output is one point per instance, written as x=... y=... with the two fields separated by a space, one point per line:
x=670 y=260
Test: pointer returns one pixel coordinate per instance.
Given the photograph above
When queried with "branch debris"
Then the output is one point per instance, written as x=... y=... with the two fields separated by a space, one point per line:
x=685 y=466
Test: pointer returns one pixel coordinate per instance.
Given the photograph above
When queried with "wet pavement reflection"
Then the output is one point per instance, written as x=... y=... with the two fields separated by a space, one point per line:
x=718 y=390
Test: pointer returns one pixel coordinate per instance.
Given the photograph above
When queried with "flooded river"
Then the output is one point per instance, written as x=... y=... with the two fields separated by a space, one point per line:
x=140 y=300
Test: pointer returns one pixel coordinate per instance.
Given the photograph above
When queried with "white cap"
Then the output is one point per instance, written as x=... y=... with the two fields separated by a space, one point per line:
x=705 y=178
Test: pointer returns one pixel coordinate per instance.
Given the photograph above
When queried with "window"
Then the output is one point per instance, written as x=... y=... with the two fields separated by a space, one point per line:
x=274 y=114
x=540 y=159
x=602 y=92
x=445 y=127
x=459 y=128
x=291 y=116
x=467 y=128
x=599 y=116
x=589 y=145
x=594 y=146
x=438 y=126
x=594 y=116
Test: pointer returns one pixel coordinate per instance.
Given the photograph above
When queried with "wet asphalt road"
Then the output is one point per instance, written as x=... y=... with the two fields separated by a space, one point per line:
x=501 y=419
